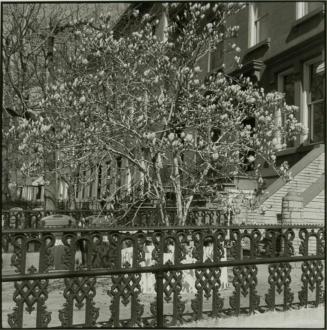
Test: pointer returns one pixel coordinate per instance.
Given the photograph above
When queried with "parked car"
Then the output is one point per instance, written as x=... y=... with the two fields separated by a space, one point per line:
x=58 y=220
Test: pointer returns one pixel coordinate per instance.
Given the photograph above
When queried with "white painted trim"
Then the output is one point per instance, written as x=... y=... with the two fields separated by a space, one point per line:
x=251 y=27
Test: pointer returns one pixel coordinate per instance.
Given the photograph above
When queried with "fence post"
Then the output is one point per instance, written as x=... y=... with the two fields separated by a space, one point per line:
x=159 y=286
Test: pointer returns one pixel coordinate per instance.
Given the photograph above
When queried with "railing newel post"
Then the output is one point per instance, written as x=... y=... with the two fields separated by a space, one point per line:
x=159 y=288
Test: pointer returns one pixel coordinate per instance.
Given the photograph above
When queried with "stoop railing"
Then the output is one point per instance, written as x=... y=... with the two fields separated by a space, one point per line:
x=157 y=276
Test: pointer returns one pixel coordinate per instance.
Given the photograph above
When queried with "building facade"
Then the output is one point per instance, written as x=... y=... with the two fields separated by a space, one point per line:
x=281 y=47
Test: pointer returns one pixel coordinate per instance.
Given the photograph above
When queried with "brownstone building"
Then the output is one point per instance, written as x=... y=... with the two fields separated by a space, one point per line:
x=282 y=48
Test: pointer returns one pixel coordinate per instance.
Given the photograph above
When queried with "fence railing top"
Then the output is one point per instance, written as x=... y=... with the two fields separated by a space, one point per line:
x=195 y=208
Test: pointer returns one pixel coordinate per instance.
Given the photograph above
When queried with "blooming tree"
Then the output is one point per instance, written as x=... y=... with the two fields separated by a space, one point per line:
x=35 y=37
x=140 y=97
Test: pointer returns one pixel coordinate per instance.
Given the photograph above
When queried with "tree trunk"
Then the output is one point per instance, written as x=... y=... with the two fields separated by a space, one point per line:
x=50 y=184
x=189 y=199
x=5 y=175
x=178 y=189
x=142 y=179
x=50 y=193
x=50 y=189
x=186 y=209
x=71 y=196
x=161 y=192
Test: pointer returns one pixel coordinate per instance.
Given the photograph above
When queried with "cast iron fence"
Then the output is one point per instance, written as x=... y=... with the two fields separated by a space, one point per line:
x=143 y=216
x=105 y=271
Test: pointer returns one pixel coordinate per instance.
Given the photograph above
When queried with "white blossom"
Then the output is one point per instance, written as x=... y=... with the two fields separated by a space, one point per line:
x=251 y=159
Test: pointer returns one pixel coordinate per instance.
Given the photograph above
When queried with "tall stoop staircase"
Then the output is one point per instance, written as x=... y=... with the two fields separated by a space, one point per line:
x=308 y=180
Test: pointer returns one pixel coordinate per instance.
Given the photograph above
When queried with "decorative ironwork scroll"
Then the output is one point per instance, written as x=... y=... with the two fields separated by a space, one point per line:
x=208 y=248
x=31 y=293
x=80 y=290
x=279 y=279
x=245 y=277
x=126 y=288
x=312 y=271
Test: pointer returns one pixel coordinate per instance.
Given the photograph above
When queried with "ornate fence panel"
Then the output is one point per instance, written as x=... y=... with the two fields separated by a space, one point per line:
x=158 y=276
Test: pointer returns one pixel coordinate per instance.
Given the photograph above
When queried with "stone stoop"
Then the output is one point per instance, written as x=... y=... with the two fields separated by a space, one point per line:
x=308 y=180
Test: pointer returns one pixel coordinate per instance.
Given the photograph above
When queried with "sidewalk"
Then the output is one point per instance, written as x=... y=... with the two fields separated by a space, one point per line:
x=302 y=318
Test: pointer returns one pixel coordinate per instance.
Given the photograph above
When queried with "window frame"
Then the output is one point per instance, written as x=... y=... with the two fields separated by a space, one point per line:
x=306 y=97
x=84 y=185
x=280 y=88
x=253 y=28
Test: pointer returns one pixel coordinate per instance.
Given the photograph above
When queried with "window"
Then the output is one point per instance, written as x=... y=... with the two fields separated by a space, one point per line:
x=304 y=8
x=39 y=192
x=63 y=190
x=286 y=85
x=83 y=189
x=257 y=23
x=216 y=57
x=315 y=104
x=108 y=176
x=160 y=28
x=119 y=172
x=91 y=185
x=77 y=185
x=203 y=61
x=99 y=181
